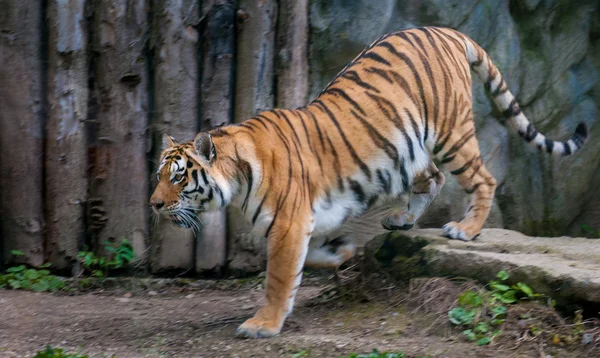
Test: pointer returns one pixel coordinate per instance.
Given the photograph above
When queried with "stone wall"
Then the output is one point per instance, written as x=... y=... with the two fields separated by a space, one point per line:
x=549 y=54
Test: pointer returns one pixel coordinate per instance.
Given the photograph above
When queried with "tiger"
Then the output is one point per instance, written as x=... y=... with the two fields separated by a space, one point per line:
x=372 y=136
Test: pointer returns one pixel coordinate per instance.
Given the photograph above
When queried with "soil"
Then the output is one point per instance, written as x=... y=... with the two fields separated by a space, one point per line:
x=184 y=322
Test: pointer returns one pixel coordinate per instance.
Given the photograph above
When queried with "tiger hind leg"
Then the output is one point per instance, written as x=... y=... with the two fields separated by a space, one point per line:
x=426 y=187
x=331 y=254
x=468 y=168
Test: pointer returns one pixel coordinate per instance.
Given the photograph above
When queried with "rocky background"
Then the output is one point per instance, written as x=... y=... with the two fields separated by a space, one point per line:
x=549 y=54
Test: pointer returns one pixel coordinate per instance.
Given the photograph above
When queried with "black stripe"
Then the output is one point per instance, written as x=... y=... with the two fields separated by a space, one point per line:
x=250 y=180
x=336 y=165
x=308 y=140
x=464 y=168
x=287 y=120
x=379 y=140
x=440 y=145
x=566 y=148
x=448 y=159
x=247 y=126
x=429 y=75
x=204 y=176
x=512 y=110
x=354 y=77
x=394 y=118
x=259 y=119
x=473 y=188
x=355 y=157
x=381 y=73
x=314 y=119
x=415 y=73
x=359 y=193
x=259 y=209
x=375 y=57
x=549 y=145
x=459 y=144
x=530 y=133
x=404 y=175
x=343 y=94
x=415 y=127
x=383 y=181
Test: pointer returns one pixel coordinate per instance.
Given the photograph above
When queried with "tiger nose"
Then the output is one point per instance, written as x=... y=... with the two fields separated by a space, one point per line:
x=157 y=203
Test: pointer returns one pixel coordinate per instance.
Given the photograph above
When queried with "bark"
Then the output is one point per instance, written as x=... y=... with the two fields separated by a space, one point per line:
x=21 y=129
x=120 y=172
x=66 y=147
x=217 y=91
x=292 y=56
x=176 y=110
x=254 y=92
x=254 y=58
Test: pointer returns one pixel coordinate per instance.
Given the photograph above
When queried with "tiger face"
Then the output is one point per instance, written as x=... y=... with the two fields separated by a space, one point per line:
x=185 y=184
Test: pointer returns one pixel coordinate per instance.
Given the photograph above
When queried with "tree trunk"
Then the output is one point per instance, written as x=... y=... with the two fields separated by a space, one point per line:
x=292 y=56
x=254 y=87
x=66 y=147
x=120 y=174
x=176 y=111
x=217 y=91
x=254 y=58
x=21 y=129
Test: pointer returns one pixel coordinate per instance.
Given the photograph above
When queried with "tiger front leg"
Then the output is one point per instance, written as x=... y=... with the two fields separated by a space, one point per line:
x=425 y=189
x=287 y=248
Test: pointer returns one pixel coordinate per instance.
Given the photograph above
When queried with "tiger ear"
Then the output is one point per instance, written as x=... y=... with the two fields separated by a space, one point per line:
x=204 y=146
x=168 y=141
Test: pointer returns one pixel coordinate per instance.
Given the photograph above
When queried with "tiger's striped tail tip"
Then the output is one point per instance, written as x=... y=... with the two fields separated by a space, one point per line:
x=577 y=140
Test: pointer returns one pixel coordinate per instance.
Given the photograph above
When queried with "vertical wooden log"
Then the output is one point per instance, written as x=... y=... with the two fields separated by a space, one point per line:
x=120 y=173
x=21 y=129
x=292 y=53
x=254 y=92
x=254 y=84
x=66 y=147
x=176 y=111
x=217 y=92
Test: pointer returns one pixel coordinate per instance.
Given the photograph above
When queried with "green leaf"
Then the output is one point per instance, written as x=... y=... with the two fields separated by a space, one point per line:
x=525 y=289
x=98 y=273
x=499 y=287
x=470 y=335
x=460 y=316
x=498 y=310
x=46 y=265
x=16 y=268
x=40 y=286
x=503 y=275
x=31 y=274
x=508 y=297
x=470 y=298
x=483 y=341
x=15 y=284
x=482 y=327
x=17 y=253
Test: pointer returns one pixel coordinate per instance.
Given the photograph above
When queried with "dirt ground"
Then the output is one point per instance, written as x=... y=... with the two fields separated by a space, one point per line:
x=201 y=323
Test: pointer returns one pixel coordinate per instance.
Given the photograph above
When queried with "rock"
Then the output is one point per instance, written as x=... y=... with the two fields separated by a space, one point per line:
x=549 y=55
x=567 y=269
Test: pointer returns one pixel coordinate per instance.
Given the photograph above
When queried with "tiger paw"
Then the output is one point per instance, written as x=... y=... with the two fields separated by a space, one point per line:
x=398 y=221
x=459 y=231
x=258 y=328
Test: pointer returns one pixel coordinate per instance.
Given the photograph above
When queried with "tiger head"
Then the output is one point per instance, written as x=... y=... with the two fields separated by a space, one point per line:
x=186 y=184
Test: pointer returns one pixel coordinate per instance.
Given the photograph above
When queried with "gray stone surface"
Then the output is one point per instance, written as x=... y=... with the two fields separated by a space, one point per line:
x=567 y=269
x=548 y=52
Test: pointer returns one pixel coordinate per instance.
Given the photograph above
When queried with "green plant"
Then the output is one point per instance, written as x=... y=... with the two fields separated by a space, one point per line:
x=51 y=352
x=121 y=255
x=301 y=354
x=20 y=277
x=376 y=354
x=590 y=230
x=482 y=312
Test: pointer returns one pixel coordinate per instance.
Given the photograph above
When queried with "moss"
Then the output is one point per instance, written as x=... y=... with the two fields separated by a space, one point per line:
x=398 y=254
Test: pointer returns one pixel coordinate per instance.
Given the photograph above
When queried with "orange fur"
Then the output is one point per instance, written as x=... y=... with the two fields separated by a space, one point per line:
x=368 y=136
